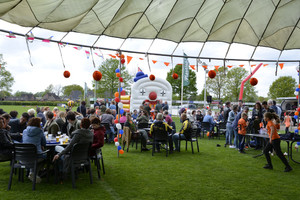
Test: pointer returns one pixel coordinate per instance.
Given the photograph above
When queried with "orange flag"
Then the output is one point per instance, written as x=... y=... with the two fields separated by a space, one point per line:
x=141 y=58
x=154 y=61
x=193 y=67
x=112 y=56
x=281 y=65
x=128 y=59
x=166 y=63
x=241 y=65
x=265 y=65
x=118 y=55
x=217 y=68
x=229 y=66
x=204 y=66
x=253 y=65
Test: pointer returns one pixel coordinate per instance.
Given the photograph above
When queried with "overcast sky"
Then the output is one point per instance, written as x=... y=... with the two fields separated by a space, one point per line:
x=48 y=68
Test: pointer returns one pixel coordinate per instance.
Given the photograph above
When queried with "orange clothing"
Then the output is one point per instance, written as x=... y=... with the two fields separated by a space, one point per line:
x=287 y=121
x=275 y=134
x=242 y=127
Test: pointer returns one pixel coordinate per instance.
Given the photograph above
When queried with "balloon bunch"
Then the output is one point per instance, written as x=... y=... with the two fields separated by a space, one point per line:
x=296 y=114
x=116 y=139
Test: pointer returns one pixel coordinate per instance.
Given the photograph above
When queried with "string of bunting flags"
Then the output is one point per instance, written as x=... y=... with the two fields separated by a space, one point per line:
x=30 y=38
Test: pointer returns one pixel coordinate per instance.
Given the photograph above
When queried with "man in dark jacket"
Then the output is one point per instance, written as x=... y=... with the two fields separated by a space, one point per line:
x=19 y=125
x=40 y=115
x=82 y=109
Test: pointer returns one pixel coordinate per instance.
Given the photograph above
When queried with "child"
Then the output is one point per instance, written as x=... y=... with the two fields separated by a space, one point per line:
x=287 y=122
x=242 y=125
x=274 y=142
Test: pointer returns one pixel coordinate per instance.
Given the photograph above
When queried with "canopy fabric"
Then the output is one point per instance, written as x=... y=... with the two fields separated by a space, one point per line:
x=268 y=23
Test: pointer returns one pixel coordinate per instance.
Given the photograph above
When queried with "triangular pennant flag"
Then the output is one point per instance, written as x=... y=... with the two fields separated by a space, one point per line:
x=141 y=58
x=77 y=48
x=229 y=66
x=112 y=56
x=118 y=55
x=154 y=61
x=241 y=65
x=98 y=55
x=217 y=68
x=253 y=65
x=265 y=65
x=30 y=37
x=87 y=54
x=139 y=69
x=63 y=44
x=281 y=65
x=47 y=40
x=166 y=63
x=11 y=35
x=204 y=66
x=128 y=59
x=193 y=67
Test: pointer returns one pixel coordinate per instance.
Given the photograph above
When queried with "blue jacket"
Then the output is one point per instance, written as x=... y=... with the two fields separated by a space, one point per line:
x=34 y=135
x=42 y=117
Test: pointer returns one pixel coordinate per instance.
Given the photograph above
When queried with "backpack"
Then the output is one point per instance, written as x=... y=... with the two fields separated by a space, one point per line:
x=188 y=132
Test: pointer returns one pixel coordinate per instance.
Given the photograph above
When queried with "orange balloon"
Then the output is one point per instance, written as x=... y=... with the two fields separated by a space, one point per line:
x=116 y=94
x=298 y=127
x=121 y=151
x=120 y=135
x=118 y=75
x=299 y=86
x=122 y=56
x=297 y=113
x=207 y=134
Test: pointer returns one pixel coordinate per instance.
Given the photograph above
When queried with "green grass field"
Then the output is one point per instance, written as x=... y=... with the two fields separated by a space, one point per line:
x=214 y=173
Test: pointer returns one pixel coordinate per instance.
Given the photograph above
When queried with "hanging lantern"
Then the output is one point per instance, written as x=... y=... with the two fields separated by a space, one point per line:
x=175 y=76
x=152 y=77
x=122 y=60
x=296 y=113
x=116 y=94
x=121 y=79
x=122 y=56
x=97 y=75
x=67 y=74
x=118 y=75
x=117 y=99
x=212 y=74
x=253 y=81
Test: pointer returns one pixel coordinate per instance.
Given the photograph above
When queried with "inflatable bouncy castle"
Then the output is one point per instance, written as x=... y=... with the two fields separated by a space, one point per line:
x=152 y=91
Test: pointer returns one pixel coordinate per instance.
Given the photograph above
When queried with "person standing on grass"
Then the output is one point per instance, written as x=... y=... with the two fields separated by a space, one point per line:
x=242 y=125
x=229 y=126
x=274 y=142
x=287 y=122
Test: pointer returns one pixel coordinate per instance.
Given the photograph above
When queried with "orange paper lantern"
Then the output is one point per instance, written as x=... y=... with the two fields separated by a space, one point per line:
x=253 y=81
x=116 y=94
x=212 y=74
x=122 y=56
x=152 y=77
x=121 y=151
x=118 y=75
x=97 y=75
x=175 y=76
x=67 y=74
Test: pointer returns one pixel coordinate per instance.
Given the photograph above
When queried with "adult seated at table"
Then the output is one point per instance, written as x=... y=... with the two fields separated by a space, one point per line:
x=6 y=143
x=143 y=117
x=41 y=115
x=162 y=127
x=209 y=119
x=134 y=115
x=6 y=117
x=34 y=134
x=82 y=136
x=99 y=131
x=73 y=123
x=168 y=118
x=123 y=118
x=184 y=132
x=62 y=122
x=51 y=126
x=17 y=126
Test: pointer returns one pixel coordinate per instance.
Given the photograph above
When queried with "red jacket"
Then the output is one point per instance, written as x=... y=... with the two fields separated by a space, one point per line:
x=98 y=141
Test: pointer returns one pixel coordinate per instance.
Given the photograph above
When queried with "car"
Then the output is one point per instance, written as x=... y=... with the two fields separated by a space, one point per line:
x=188 y=107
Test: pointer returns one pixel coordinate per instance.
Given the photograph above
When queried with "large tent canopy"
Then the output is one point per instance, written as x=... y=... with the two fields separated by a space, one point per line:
x=258 y=23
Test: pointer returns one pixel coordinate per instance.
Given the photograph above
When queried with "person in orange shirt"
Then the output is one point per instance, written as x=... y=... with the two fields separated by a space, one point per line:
x=287 y=122
x=274 y=142
x=242 y=125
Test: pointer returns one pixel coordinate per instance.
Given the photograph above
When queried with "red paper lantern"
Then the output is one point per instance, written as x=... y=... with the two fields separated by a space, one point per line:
x=123 y=92
x=253 y=81
x=212 y=74
x=122 y=60
x=117 y=99
x=118 y=75
x=121 y=79
x=175 y=76
x=67 y=74
x=97 y=75
x=152 y=77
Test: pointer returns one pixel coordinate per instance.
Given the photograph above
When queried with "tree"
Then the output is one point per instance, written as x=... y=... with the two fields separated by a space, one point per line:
x=233 y=84
x=109 y=83
x=216 y=85
x=20 y=93
x=49 y=89
x=6 y=79
x=67 y=90
x=189 y=91
x=57 y=89
x=282 y=87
